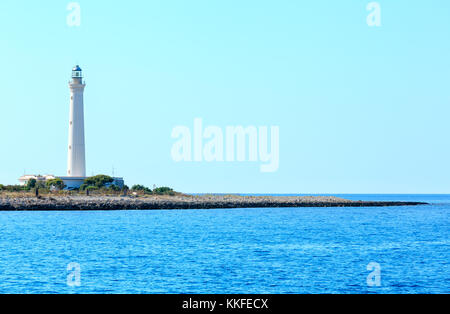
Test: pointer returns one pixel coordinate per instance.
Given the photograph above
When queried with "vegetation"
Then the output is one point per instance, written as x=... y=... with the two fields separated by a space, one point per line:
x=140 y=188
x=14 y=188
x=100 y=185
x=100 y=181
x=163 y=191
x=114 y=188
x=56 y=184
x=31 y=184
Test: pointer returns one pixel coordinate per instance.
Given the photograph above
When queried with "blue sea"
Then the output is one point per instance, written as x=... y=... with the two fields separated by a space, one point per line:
x=287 y=250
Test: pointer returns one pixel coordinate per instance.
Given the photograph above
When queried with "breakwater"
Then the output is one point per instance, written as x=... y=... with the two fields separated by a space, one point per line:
x=61 y=203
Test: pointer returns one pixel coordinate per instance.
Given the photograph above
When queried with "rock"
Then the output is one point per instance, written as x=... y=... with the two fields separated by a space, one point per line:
x=183 y=202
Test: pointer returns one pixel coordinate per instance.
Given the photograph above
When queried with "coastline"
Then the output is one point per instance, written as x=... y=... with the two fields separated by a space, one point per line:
x=181 y=202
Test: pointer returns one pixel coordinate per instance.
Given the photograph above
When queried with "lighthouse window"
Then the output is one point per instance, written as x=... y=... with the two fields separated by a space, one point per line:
x=70 y=122
x=70 y=147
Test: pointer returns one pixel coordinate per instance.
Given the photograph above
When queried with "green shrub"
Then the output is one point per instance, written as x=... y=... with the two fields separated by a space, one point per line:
x=97 y=181
x=141 y=188
x=163 y=191
x=41 y=185
x=114 y=188
x=55 y=183
x=31 y=184
x=15 y=188
x=85 y=187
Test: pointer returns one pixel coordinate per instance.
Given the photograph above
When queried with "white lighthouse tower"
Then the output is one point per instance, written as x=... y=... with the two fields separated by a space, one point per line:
x=76 y=161
x=76 y=166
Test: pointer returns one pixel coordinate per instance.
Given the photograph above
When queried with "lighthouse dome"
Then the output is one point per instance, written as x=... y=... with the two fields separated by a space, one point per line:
x=76 y=72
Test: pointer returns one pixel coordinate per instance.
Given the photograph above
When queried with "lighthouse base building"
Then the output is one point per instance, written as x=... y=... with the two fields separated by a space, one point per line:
x=73 y=183
x=76 y=159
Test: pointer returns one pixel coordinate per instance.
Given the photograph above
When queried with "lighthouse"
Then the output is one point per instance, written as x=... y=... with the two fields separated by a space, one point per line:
x=76 y=165
x=76 y=160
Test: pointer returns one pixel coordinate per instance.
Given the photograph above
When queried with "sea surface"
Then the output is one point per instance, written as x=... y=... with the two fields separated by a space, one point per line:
x=272 y=250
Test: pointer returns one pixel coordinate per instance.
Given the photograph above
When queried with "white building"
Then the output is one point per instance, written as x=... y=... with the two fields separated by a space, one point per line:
x=23 y=180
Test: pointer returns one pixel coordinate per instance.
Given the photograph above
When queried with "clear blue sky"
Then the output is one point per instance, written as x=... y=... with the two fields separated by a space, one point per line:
x=360 y=109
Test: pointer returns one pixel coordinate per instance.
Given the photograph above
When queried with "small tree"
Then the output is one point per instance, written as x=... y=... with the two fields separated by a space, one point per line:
x=141 y=188
x=98 y=181
x=114 y=188
x=41 y=184
x=55 y=184
x=31 y=184
x=164 y=191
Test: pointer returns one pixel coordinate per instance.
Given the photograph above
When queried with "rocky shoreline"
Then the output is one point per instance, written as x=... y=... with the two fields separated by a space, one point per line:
x=71 y=203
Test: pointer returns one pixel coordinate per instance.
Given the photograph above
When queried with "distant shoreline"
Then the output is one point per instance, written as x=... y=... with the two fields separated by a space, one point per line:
x=181 y=202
